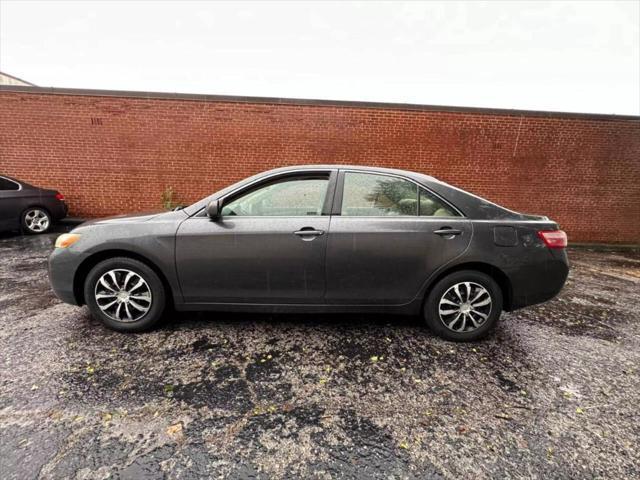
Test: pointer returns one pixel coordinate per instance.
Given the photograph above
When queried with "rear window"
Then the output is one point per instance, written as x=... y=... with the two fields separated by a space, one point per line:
x=6 y=184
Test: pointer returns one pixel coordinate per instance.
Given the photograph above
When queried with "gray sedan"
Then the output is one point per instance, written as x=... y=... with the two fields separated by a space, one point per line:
x=30 y=209
x=318 y=239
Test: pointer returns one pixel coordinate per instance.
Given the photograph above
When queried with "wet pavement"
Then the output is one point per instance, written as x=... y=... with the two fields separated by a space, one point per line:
x=553 y=393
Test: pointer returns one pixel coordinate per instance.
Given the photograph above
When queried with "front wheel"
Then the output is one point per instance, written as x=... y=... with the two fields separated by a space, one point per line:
x=125 y=294
x=463 y=306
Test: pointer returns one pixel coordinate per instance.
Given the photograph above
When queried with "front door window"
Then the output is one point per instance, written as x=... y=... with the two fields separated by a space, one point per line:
x=291 y=197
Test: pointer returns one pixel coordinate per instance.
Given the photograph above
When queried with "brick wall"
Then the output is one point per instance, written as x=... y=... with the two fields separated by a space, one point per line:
x=112 y=154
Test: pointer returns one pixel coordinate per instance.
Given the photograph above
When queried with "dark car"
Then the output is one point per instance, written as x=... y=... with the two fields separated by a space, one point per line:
x=318 y=239
x=28 y=208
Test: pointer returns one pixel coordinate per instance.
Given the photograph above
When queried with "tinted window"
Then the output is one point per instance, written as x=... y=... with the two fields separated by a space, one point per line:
x=367 y=194
x=293 y=197
x=432 y=206
x=6 y=184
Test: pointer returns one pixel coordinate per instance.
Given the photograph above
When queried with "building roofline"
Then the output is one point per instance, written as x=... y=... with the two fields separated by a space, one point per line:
x=312 y=102
x=28 y=84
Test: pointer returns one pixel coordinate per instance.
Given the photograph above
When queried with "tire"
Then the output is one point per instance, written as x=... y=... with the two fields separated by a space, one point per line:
x=137 y=310
x=459 y=320
x=35 y=220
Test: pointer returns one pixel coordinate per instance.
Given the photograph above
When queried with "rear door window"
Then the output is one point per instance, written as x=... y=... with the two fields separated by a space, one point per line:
x=372 y=195
x=432 y=206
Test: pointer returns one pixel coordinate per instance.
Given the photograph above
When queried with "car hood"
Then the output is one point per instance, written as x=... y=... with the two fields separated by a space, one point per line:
x=127 y=218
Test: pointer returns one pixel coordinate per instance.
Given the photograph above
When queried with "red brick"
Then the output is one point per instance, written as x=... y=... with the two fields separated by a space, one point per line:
x=582 y=172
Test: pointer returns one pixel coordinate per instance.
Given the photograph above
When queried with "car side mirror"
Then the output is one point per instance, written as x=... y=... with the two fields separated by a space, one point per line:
x=213 y=209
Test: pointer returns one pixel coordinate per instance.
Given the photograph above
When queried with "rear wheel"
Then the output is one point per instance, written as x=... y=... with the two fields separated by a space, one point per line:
x=463 y=306
x=36 y=220
x=125 y=294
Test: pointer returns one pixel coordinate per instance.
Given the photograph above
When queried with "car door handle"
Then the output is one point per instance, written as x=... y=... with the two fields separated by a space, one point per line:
x=308 y=232
x=447 y=232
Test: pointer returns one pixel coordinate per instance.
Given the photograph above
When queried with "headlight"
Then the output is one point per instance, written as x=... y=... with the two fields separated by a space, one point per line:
x=67 y=239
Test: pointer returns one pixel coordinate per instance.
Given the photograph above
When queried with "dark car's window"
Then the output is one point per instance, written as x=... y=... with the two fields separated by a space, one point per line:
x=366 y=195
x=432 y=206
x=6 y=184
x=291 y=197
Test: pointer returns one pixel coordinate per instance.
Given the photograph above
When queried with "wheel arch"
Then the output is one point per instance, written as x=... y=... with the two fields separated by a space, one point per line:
x=494 y=272
x=85 y=267
x=31 y=205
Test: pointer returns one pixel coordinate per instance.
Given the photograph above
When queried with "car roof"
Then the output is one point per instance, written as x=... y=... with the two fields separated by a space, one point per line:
x=365 y=168
x=471 y=206
x=418 y=177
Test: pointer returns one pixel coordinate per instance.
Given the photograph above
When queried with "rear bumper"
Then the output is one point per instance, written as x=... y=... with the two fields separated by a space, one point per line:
x=59 y=211
x=539 y=282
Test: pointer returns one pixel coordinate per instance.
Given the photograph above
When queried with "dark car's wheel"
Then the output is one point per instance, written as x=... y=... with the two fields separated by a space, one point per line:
x=464 y=306
x=125 y=294
x=35 y=220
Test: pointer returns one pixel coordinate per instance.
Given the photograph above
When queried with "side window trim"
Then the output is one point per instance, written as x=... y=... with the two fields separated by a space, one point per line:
x=337 y=203
x=14 y=182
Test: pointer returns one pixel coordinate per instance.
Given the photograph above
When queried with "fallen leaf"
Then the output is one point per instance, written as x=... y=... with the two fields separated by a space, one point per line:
x=174 y=430
x=374 y=358
x=504 y=416
x=579 y=411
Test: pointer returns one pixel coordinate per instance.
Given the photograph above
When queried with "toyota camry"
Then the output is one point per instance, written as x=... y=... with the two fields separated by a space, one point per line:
x=317 y=239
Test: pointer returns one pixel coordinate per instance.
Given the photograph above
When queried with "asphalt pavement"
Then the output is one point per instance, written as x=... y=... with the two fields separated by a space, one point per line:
x=553 y=393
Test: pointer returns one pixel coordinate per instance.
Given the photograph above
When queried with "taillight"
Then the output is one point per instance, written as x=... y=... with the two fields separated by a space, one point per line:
x=60 y=196
x=553 y=238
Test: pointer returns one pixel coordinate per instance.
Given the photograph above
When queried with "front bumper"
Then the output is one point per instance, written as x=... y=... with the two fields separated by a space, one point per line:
x=63 y=265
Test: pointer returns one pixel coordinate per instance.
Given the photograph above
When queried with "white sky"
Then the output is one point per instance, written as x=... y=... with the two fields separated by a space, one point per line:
x=574 y=56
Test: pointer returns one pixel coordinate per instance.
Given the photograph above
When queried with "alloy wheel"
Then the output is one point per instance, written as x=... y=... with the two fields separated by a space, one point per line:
x=36 y=220
x=123 y=295
x=465 y=307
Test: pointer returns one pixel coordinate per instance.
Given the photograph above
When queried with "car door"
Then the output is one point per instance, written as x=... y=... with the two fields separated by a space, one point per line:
x=387 y=235
x=10 y=204
x=268 y=247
